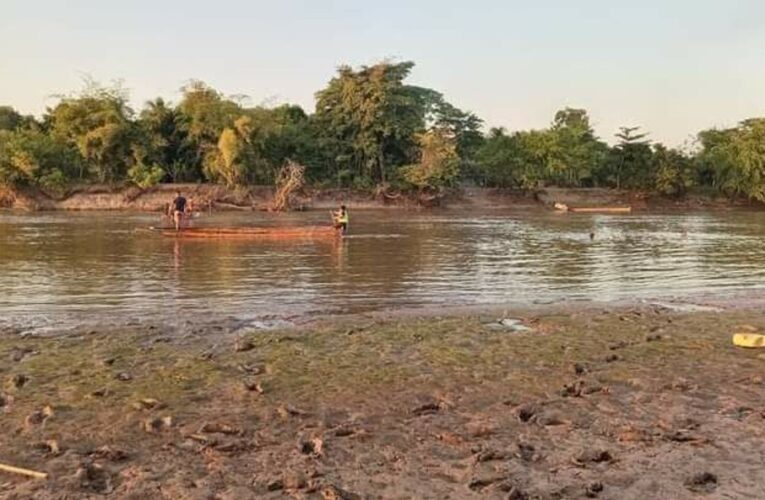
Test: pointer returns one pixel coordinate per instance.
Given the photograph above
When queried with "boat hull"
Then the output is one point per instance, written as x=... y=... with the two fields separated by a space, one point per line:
x=254 y=233
x=601 y=210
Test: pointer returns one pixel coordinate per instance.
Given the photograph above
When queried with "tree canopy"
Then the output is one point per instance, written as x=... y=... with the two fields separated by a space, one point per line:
x=370 y=127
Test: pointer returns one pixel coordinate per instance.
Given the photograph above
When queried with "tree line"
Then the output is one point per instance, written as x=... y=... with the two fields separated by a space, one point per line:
x=370 y=128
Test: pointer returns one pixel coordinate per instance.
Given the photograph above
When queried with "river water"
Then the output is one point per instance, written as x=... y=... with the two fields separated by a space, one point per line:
x=60 y=271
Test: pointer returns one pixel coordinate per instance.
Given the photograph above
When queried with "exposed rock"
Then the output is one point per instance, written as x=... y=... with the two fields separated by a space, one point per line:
x=580 y=369
x=108 y=453
x=253 y=386
x=19 y=380
x=19 y=353
x=243 y=345
x=344 y=432
x=313 y=446
x=491 y=455
x=593 y=489
x=516 y=493
x=218 y=428
x=336 y=493
x=49 y=447
x=294 y=481
x=527 y=452
x=703 y=482
x=275 y=485
x=148 y=404
x=427 y=408
x=38 y=417
x=573 y=389
x=95 y=478
x=593 y=455
x=526 y=412
x=123 y=376
x=157 y=424
x=550 y=418
x=251 y=368
x=286 y=411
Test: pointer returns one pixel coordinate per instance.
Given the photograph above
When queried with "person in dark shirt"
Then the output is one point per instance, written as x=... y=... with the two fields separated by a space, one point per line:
x=178 y=210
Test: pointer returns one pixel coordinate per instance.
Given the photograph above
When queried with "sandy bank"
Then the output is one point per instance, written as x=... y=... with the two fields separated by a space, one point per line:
x=627 y=403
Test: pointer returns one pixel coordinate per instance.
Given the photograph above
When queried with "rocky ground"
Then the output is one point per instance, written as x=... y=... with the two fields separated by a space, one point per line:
x=589 y=403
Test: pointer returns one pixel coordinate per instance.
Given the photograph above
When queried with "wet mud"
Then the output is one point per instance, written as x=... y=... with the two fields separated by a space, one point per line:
x=625 y=403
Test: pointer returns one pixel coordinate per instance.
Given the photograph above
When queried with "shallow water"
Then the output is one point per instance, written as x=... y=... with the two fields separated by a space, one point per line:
x=68 y=270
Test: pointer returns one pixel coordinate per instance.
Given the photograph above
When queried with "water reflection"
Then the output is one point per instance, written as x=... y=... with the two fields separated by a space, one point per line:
x=59 y=270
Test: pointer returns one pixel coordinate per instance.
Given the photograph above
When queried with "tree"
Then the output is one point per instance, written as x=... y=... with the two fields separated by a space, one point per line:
x=166 y=142
x=439 y=162
x=369 y=119
x=203 y=115
x=32 y=158
x=735 y=158
x=576 y=152
x=279 y=135
x=10 y=119
x=674 y=172
x=519 y=160
x=629 y=162
x=98 y=123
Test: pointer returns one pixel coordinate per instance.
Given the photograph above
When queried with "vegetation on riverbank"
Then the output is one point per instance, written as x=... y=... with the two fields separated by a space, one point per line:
x=587 y=402
x=370 y=130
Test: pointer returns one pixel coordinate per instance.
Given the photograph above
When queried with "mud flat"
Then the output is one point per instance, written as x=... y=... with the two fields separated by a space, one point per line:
x=633 y=402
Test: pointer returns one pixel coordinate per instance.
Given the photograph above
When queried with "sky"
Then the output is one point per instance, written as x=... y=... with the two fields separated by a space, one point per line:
x=673 y=67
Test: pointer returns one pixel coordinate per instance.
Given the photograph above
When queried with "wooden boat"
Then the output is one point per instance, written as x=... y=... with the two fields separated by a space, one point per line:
x=253 y=233
x=562 y=207
x=601 y=210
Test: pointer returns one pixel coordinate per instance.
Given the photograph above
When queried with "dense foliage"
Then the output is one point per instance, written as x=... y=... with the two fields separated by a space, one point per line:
x=370 y=128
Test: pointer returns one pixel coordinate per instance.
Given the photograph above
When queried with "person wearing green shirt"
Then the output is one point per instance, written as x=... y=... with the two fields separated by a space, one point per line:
x=341 y=219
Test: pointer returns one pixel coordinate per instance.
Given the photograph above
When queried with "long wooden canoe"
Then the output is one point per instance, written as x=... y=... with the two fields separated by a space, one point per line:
x=254 y=233
x=601 y=210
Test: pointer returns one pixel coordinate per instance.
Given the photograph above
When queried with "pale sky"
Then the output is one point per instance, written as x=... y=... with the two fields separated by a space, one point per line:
x=672 y=66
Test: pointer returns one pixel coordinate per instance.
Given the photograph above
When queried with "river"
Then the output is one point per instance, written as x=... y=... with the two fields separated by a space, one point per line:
x=63 y=271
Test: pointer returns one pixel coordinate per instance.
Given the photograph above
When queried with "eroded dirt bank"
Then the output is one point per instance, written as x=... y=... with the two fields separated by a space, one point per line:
x=628 y=403
x=214 y=197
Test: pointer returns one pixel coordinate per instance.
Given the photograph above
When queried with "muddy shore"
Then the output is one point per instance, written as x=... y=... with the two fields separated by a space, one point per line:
x=211 y=197
x=628 y=402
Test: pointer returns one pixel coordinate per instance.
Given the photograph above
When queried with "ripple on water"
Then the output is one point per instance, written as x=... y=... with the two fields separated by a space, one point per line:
x=64 y=270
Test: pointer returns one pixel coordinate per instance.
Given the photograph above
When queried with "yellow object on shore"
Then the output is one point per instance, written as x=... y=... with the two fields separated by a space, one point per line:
x=749 y=340
x=23 y=472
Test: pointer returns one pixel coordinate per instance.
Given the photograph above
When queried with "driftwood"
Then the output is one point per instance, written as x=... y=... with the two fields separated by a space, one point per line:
x=290 y=179
x=23 y=472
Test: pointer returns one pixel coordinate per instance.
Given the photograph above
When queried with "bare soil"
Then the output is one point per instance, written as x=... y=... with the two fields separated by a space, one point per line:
x=221 y=198
x=589 y=403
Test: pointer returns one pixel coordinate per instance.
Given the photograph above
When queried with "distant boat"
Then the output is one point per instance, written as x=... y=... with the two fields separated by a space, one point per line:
x=562 y=207
x=252 y=233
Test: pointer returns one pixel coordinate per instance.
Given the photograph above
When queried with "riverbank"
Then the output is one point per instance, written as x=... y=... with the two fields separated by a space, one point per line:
x=212 y=197
x=628 y=402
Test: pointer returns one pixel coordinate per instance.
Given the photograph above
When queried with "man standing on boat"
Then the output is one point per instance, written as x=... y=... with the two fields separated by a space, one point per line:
x=341 y=220
x=178 y=210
